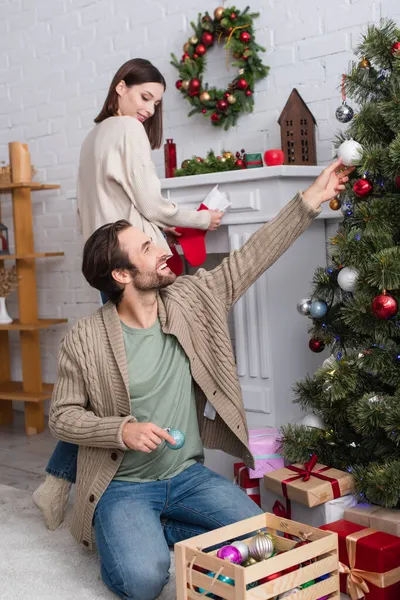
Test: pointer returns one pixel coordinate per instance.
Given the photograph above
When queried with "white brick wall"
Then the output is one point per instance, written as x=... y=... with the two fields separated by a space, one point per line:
x=57 y=58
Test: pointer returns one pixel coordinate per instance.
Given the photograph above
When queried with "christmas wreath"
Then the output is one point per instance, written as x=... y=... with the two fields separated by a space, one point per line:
x=222 y=106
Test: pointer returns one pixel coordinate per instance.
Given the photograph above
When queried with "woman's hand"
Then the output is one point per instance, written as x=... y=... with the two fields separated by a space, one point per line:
x=172 y=235
x=328 y=184
x=215 y=222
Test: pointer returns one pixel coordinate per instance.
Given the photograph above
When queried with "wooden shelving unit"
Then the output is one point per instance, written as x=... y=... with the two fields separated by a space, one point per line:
x=31 y=390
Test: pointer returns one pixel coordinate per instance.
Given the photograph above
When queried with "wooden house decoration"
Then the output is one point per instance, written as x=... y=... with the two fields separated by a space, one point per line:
x=298 y=132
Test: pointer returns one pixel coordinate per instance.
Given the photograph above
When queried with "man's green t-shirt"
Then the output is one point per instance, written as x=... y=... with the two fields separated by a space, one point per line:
x=161 y=392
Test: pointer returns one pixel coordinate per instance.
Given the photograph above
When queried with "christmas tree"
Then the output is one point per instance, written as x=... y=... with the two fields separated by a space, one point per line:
x=354 y=397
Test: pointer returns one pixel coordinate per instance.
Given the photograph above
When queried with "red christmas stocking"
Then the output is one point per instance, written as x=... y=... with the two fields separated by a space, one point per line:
x=193 y=245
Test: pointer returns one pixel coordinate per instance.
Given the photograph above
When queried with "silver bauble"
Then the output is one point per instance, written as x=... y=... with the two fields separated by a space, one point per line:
x=350 y=152
x=261 y=546
x=312 y=421
x=344 y=113
x=243 y=549
x=347 y=279
x=303 y=306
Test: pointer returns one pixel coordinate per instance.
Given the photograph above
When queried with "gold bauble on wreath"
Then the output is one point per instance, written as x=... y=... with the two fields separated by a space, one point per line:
x=193 y=40
x=231 y=99
x=205 y=97
x=185 y=163
x=186 y=47
x=218 y=12
x=227 y=155
x=335 y=204
x=185 y=84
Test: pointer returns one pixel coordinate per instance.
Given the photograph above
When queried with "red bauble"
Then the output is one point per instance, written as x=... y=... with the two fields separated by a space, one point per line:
x=194 y=85
x=228 y=94
x=195 y=55
x=203 y=110
x=384 y=306
x=178 y=84
x=274 y=157
x=241 y=84
x=396 y=49
x=316 y=345
x=248 y=92
x=201 y=49
x=222 y=105
x=244 y=37
x=233 y=16
x=362 y=187
x=397 y=181
x=215 y=117
x=185 y=56
x=240 y=163
x=207 y=38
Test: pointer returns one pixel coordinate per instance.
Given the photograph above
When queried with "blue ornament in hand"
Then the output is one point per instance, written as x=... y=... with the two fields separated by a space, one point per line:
x=178 y=436
x=318 y=309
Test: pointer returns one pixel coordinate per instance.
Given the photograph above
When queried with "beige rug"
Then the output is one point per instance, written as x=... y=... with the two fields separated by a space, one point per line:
x=37 y=564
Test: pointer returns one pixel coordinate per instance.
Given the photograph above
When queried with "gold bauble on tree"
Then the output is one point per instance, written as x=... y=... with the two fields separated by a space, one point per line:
x=186 y=47
x=185 y=84
x=205 y=97
x=194 y=40
x=231 y=99
x=364 y=63
x=218 y=12
x=335 y=204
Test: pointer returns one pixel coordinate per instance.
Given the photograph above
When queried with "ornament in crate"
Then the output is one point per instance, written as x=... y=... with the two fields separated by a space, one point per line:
x=4 y=245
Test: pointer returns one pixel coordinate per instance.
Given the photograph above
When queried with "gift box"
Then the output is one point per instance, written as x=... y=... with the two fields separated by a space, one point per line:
x=253 y=161
x=315 y=516
x=310 y=484
x=242 y=479
x=369 y=561
x=264 y=446
x=370 y=515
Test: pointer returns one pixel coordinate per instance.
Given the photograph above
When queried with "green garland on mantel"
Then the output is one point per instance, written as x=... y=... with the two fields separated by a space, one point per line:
x=210 y=164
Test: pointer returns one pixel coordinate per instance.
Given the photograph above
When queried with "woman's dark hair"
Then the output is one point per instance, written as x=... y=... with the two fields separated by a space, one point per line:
x=135 y=72
x=101 y=255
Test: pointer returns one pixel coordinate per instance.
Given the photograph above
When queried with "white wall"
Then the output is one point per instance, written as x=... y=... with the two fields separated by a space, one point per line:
x=57 y=58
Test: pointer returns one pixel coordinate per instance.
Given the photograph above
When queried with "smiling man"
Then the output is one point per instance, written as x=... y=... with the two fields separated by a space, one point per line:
x=149 y=360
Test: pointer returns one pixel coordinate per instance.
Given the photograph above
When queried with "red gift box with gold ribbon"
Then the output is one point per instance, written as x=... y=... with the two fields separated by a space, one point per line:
x=250 y=486
x=369 y=561
x=310 y=484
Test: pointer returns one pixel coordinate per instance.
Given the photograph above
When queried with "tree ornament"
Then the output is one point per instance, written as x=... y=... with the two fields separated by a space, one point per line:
x=303 y=307
x=318 y=309
x=194 y=85
x=240 y=163
x=194 y=40
x=250 y=561
x=364 y=63
x=205 y=97
x=396 y=49
x=185 y=84
x=241 y=84
x=245 y=37
x=289 y=593
x=261 y=546
x=316 y=345
x=185 y=163
x=384 y=306
x=222 y=105
x=233 y=16
x=186 y=47
x=312 y=421
x=218 y=13
x=231 y=99
x=243 y=549
x=185 y=55
x=396 y=181
x=334 y=204
x=207 y=38
x=347 y=279
x=227 y=154
x=195 y=55
x=383 y=75
x=350 y=152
x=178 y=84
x=215 y=117
x=248 y=92
x=203 y=110
x=344 y=113
x=230 y=553
x=201 y=49
x=178 y=436
x=362 y=187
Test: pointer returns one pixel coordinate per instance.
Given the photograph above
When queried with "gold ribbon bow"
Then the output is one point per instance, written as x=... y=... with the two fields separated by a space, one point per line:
x=357 y=579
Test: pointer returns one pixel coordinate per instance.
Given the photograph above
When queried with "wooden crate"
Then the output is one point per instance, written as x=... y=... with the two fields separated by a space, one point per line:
x=192 y=554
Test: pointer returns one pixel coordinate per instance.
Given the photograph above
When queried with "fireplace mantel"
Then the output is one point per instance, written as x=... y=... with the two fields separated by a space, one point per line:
x=270 y=337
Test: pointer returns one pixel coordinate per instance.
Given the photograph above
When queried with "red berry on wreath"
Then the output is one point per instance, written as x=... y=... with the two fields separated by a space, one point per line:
x=396 y=49
x=244 y=37
x=207 y=38
x=201 y=49
x=178 y=84
x=222 y=105
x=215 y=117
x=241 y=84
x=226 y=94
x=233 y=16
x=206 y=19
x=248 y=92
x=195 y=55
x=203 y=110
x=185 y=56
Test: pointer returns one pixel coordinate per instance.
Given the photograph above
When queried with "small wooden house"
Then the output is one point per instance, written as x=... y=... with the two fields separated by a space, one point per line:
x=298 y=132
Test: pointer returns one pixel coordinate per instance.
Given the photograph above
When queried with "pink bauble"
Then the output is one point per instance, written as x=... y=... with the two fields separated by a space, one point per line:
x=230 y=553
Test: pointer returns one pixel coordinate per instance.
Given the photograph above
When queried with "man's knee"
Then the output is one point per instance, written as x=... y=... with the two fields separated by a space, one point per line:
x=145 y=583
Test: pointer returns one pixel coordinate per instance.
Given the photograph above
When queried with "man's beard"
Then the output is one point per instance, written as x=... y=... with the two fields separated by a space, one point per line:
x=150 y=280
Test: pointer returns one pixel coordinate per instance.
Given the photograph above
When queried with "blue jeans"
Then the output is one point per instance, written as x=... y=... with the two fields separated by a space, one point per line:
x=63 y=461
x=136 y=522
